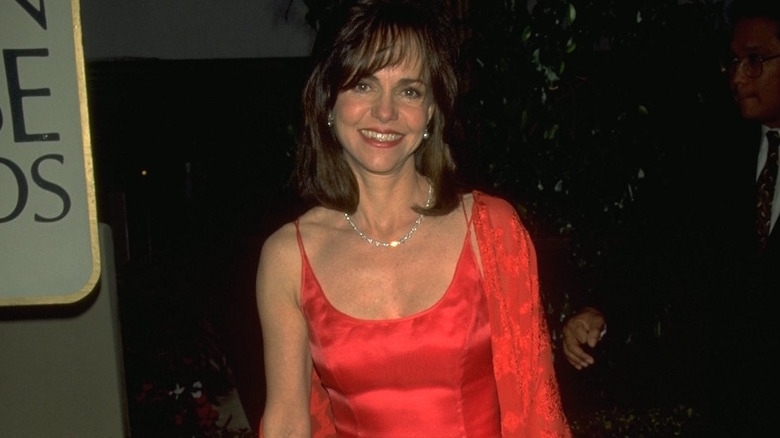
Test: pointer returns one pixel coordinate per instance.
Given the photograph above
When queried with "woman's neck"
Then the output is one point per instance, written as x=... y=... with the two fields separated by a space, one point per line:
x=385 y=205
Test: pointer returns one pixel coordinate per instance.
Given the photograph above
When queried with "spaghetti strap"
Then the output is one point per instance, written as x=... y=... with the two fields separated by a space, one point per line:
x=465 y=213
x=298 y=236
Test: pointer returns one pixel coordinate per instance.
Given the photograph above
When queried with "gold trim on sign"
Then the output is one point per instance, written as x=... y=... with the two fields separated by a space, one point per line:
x=86 y=141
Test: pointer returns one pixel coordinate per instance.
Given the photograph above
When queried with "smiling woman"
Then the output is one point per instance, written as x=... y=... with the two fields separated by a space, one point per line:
x=393 y=306
x=349 y=60
x=381 y=121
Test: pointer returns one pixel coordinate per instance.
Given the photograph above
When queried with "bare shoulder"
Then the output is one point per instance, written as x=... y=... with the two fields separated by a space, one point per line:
x=280 y=258
x=315 y=218
x=280 y=246
x=278 y=271
x=317 y=227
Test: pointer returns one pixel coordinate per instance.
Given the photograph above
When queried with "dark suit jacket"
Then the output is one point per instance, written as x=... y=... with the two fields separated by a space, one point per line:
x=695 y=262
x=702 y=249
x=744 y=282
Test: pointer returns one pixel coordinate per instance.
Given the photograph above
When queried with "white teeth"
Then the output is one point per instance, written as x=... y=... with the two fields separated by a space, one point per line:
x=379 y=136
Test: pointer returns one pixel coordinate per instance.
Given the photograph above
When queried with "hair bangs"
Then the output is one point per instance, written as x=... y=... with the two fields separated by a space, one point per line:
x=389 y=46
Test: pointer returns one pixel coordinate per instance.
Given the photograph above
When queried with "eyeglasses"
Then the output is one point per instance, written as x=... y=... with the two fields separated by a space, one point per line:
x=752 y=65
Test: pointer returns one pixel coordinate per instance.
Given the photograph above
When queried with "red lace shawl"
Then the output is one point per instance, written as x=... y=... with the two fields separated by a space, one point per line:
x=522 y=354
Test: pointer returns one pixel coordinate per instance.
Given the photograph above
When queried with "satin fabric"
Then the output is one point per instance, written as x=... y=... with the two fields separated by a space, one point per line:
x=431 y=370
x=528 y=396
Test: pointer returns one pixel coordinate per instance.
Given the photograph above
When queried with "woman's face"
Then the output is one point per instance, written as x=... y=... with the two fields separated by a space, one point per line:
x=381 y=120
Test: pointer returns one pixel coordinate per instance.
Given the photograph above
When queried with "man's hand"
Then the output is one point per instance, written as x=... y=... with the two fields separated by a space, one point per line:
x=587 y=326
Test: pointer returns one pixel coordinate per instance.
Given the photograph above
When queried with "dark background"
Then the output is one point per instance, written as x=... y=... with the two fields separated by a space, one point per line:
x=192 y=160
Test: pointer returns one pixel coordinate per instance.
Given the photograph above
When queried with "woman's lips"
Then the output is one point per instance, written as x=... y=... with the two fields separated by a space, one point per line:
x=381 y=139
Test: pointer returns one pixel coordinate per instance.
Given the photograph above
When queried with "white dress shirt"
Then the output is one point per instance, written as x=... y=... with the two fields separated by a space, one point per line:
x=762 y=153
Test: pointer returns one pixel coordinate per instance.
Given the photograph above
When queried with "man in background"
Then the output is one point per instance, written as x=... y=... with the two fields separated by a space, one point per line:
x=733 y=245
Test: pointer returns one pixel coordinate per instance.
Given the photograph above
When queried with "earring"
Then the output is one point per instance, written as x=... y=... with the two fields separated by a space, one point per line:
x=426 y=134
x=330 y=119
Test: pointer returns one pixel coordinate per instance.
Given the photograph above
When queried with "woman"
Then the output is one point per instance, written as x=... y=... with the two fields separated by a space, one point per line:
x=397 y=307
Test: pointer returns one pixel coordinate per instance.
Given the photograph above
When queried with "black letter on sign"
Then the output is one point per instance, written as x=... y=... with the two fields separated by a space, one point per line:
x=21 y=183
x=50 y=187
x=38 y=14
x=15 y=94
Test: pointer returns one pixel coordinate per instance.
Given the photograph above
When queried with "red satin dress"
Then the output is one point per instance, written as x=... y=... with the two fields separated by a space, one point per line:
x=425 y=375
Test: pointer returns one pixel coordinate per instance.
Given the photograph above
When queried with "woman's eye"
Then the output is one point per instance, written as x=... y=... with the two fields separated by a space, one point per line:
x=411 y=93
x=362 y=87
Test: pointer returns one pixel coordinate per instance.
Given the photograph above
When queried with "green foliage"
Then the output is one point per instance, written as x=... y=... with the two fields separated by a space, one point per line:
x=561 y=102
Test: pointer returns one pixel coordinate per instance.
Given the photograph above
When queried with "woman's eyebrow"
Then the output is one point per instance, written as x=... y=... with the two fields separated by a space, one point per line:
x=411 y=81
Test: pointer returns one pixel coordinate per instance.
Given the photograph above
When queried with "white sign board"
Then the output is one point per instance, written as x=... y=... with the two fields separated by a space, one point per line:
x=49 y=251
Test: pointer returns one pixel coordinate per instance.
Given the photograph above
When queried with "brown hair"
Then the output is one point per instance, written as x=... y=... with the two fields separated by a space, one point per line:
x=365 y=37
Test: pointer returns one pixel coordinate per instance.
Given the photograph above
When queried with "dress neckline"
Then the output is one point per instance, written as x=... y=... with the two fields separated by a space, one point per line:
x=458 y=267
x=465 y=249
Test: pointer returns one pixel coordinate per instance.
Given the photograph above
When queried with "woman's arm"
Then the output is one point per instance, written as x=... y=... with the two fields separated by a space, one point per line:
x=285 y=338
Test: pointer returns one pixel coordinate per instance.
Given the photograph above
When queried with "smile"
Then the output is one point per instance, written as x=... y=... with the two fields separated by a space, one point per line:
x=379 y=136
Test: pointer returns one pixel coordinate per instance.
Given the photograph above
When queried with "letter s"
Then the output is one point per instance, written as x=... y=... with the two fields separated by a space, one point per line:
x=50 y=187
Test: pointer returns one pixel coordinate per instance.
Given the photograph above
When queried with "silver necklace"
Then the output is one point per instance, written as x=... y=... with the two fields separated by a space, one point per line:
x=404 y=238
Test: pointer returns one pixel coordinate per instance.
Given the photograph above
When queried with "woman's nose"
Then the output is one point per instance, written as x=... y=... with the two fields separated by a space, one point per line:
x=384 y=108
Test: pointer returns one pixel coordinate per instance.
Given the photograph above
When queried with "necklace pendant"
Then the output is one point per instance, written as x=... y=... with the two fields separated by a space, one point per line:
x=394 y=243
